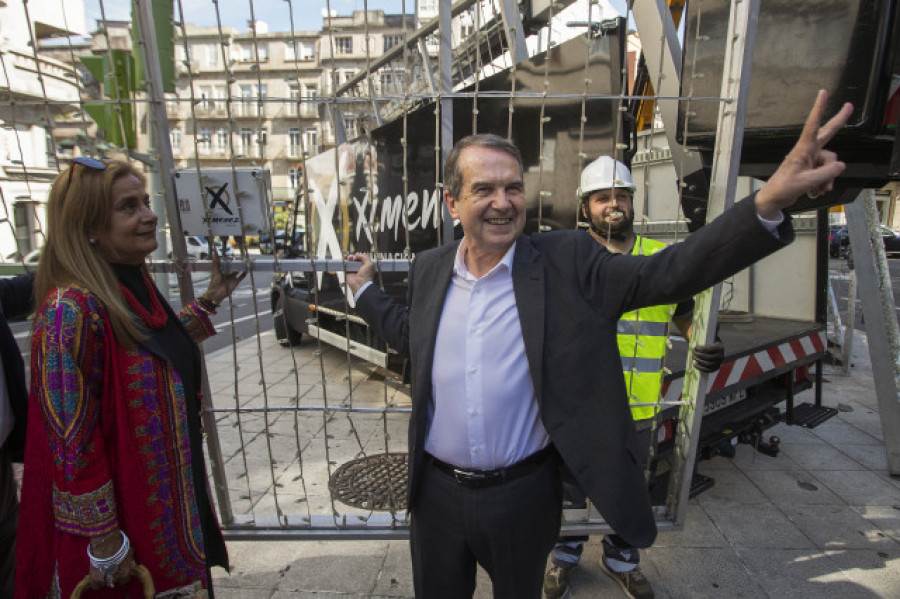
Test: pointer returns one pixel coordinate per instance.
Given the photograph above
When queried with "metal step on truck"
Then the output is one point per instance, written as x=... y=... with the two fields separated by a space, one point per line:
x=380 y=192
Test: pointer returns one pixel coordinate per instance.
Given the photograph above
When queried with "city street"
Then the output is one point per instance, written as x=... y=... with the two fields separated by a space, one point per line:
x=233 y=323
x=840 y=277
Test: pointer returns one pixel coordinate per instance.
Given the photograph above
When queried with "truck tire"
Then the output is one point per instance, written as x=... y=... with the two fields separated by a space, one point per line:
x=284 y=333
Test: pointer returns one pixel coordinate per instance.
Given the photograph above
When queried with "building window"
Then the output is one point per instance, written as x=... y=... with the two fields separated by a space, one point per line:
x=206 y=100
x=392 y=80
x=246 y=148
x=204 y=143
x=211 y=55
x=221 y=141
x=250 y=99
x=310 y=107
x=175 y=139
x=246 y=106
x=296 y=176
x=294 y=148
x=171 y=104
x=51 y=152
x=311 y=139
x=262 y=139
x=24 y=222
x=246 y=52
x=343 y=45
x=220 y=93
x=351 y=125
x=392 y=40
x=261 y=92
x=294 y=93
x=295 y=50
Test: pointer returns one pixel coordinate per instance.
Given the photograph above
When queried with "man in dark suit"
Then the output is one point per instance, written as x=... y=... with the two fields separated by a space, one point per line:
x=15 y=302
x=512 y=341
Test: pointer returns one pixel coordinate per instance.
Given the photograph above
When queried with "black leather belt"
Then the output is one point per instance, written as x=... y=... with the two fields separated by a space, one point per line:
x=486 y=478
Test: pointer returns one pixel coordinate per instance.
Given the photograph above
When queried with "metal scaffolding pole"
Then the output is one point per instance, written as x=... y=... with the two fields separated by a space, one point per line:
x=144 y=13
x=877 y=299
x=726 y=160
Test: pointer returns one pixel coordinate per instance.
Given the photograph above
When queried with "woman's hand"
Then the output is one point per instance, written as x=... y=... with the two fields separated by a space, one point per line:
x=107 y=546
x=221 y=284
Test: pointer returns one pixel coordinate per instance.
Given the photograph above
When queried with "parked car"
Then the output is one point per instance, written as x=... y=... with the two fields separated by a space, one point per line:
x=29 y=259
x=839 y=241
x=281 y=241
x=198 y=248
x=891 y=240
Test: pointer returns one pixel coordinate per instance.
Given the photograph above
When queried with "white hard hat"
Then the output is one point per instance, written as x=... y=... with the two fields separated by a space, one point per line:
x=605 y=173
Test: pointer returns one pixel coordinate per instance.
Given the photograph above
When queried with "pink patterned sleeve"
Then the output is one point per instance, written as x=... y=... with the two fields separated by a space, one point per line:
x=197 y=322
x=68 y=350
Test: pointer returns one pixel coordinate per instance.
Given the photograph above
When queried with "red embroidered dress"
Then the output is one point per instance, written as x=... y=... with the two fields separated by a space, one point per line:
x=107 y=445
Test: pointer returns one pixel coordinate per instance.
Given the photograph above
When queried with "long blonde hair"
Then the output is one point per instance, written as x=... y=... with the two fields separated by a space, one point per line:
x=81 y=203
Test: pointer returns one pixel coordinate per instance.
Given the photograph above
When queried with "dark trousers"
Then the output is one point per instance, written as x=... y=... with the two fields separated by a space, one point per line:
x=508 y=529
x=9 y=518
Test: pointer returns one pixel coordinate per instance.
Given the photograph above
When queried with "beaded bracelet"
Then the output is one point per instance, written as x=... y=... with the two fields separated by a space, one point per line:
x=108 y=566
x=207 y=305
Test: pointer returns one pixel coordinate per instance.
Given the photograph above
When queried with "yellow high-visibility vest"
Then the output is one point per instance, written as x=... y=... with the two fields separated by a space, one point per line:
x=642 y=338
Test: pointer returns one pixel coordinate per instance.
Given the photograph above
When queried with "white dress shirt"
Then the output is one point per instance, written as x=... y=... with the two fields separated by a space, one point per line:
x=485 y=413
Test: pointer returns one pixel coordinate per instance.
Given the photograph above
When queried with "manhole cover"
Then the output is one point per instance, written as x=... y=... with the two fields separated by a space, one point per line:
x=375 y=482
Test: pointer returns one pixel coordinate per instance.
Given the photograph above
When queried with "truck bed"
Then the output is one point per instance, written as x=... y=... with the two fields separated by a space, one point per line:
x=756 y=348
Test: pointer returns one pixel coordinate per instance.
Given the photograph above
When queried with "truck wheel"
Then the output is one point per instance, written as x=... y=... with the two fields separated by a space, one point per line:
x=284 y=333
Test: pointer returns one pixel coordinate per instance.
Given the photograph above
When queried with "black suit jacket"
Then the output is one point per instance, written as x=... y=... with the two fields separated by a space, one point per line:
x=15 y=301
x=570 y=292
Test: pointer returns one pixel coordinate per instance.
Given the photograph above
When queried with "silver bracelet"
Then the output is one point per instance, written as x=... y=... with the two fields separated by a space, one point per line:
x=108 y=566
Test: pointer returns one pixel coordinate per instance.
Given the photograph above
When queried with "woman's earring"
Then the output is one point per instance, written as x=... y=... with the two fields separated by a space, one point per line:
x=92 y=241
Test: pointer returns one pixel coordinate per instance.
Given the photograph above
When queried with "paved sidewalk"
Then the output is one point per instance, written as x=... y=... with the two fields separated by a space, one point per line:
x=822 y=521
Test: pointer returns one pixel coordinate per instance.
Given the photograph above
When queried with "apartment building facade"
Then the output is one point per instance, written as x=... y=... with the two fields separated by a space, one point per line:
x=262 y=98
x=36 y=92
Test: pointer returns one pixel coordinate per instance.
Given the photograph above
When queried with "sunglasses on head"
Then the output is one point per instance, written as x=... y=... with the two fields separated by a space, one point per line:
x=97 y=165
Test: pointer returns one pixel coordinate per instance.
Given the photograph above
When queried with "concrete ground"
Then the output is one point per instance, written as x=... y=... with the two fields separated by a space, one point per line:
x=822 y=520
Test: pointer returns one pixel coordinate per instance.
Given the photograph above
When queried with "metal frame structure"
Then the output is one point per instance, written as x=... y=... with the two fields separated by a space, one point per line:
x=444 y=68
x=878 y=305
x=734 y=89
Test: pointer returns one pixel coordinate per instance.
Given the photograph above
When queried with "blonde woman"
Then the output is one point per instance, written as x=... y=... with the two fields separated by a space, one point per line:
x=114 y=469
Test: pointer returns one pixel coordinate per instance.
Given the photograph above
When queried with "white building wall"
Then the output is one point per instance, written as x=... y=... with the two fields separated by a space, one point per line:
x=26 y=168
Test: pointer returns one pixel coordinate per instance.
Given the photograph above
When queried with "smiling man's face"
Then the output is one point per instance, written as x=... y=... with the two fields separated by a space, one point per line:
x=610 y=211
x=491 y=204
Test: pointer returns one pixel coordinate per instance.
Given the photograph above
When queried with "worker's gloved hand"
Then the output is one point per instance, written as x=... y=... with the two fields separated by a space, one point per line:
x=708 y=358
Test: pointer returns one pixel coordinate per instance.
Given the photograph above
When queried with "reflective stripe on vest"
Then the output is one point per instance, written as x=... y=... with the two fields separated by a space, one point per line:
x=642 y=365
x=644 y=328
x=642 y=338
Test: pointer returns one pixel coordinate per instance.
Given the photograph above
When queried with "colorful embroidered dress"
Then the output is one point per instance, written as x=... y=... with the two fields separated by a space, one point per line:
x=108 y=445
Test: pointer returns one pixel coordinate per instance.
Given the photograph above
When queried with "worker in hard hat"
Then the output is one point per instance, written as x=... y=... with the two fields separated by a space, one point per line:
x=607 y=193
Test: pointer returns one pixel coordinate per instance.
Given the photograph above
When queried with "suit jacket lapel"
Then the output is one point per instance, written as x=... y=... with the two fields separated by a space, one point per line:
x=434 y=283
x=528 y=286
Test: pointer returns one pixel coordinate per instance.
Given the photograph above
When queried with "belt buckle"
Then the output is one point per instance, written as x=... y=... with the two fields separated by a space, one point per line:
x=473 y=478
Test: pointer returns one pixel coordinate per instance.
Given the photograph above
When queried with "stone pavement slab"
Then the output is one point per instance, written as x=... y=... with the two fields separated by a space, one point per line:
x=820 y=521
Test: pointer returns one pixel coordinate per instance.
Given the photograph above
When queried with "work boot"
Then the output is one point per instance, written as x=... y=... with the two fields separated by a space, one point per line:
x=633 y=582
x=556 y=581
